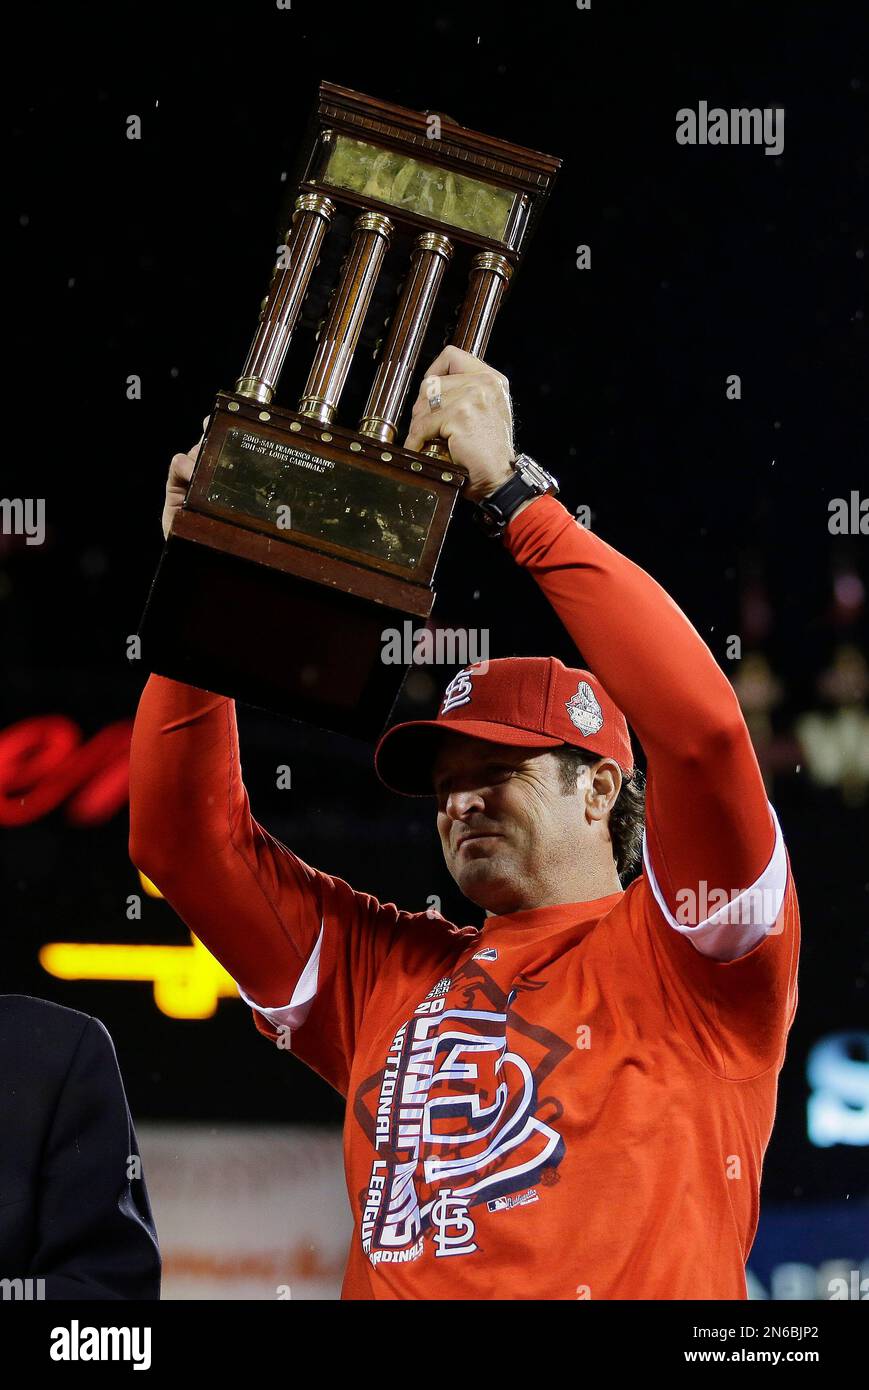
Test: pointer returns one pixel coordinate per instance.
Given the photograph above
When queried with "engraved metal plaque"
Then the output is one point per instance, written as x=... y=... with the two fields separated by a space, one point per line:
x=297 y=491
x=401 y=181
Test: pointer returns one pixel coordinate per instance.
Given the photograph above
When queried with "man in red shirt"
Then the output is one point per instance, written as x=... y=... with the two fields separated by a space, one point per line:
x=572 y=1100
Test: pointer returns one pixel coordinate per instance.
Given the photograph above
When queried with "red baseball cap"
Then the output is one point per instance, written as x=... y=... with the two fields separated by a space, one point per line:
x=530 y=701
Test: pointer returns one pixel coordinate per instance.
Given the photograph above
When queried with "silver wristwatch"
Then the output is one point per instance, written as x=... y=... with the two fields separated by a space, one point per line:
x=529 y=480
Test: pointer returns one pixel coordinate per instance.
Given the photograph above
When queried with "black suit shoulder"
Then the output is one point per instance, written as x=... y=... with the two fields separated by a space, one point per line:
x=74 y=1208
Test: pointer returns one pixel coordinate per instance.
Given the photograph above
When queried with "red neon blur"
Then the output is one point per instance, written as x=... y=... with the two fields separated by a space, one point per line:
x=43 y=763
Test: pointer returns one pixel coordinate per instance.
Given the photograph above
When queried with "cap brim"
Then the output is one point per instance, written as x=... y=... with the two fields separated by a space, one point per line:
x=404 y=757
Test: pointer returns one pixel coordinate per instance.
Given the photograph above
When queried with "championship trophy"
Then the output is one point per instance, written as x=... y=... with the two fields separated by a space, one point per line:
x=303 y=540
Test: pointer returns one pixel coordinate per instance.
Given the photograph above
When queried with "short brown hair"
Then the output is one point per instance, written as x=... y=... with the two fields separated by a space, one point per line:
x=628 y=815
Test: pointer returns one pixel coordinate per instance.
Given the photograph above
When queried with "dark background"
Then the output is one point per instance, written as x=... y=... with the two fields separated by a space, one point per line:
x=151 y=257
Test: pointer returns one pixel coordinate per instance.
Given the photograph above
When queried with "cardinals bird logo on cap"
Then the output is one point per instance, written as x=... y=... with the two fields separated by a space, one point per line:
x=584 y=710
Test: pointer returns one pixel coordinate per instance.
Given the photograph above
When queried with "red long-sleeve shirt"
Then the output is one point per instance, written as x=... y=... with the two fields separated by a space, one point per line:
x=571 y=1101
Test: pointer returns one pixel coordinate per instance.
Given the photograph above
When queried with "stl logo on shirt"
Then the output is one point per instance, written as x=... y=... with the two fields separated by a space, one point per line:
x=456 y=1122
x=453 y=1225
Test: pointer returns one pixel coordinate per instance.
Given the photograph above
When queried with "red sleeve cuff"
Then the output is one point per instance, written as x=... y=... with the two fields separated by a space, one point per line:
x=543 y=520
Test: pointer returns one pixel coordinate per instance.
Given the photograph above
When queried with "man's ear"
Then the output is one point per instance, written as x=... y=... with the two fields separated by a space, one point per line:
x=605 y=783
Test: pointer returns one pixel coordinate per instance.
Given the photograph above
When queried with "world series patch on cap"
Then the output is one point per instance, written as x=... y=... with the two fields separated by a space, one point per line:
x=527 y=701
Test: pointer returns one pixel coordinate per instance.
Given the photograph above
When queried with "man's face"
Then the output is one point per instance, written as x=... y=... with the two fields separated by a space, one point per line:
x=510 y=835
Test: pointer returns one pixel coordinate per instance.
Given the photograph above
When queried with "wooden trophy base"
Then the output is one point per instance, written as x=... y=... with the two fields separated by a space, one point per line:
x=282 y=620
x=270 y=637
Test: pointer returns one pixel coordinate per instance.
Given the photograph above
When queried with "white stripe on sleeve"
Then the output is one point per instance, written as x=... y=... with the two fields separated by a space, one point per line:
x=293 y=1015
x=737 y=920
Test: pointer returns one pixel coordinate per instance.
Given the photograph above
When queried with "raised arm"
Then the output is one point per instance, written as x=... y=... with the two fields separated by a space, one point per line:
x=256 y=906
x=707 y=812
x=708 y=819
x=303 y=946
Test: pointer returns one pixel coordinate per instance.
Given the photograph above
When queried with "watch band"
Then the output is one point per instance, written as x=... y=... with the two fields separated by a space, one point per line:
x=493 y=513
